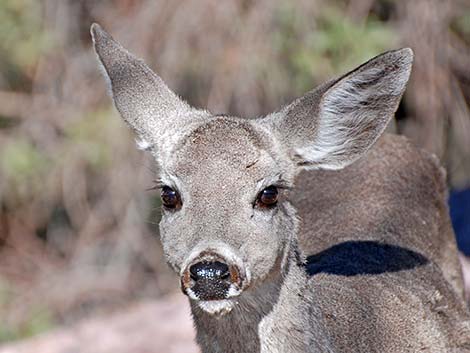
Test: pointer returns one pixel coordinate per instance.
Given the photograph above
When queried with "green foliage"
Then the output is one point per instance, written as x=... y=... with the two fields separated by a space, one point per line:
x=26 y=167
x=335 y=44
x=37 y=321
x=461 y=25
x=6 y=122
x=23 y=166
x=21 y=159
x=22 y=38
x=89 y=137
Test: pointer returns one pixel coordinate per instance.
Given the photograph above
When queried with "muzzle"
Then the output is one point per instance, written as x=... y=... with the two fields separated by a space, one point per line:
x=212 y=277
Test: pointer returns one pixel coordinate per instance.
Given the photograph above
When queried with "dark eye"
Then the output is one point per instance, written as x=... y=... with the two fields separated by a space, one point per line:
x=268 y=197
x=170 y=198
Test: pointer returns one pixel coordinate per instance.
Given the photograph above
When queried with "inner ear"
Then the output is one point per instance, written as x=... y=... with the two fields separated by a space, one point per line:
x=334 y=125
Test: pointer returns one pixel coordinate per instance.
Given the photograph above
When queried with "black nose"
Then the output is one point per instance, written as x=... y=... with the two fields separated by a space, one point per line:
x=209 y=270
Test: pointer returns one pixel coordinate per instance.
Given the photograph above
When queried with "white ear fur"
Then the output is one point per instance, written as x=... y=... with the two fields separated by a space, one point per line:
x=143 y=145
x=331 y=127
x=349 y=122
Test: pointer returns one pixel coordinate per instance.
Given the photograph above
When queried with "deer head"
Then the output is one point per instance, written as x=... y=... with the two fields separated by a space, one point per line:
x=227 y=224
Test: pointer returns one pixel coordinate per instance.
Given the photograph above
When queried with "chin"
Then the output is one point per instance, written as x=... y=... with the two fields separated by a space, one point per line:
x=216 y=307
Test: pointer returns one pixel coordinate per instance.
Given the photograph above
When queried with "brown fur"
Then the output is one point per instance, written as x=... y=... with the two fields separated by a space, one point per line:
x=396 y=194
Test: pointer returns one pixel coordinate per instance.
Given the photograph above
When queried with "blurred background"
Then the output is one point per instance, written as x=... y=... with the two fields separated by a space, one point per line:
x=78 y=223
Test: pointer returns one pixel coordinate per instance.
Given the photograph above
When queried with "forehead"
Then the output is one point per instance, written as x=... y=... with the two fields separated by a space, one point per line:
x=224 y=148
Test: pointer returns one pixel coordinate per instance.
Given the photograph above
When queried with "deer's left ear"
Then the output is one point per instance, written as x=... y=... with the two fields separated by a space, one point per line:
x=332 y=126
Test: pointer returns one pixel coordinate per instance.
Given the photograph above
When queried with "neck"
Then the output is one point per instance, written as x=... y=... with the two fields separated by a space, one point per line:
x=259 y=322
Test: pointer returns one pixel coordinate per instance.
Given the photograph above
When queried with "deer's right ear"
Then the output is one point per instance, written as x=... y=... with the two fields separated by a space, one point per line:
x=147 y=105
x=334 y=125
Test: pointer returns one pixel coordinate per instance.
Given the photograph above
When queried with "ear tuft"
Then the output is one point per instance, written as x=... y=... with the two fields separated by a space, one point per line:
x=96 y=31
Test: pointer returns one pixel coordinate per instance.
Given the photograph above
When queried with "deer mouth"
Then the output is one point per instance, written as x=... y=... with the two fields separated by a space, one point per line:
x=217 y=307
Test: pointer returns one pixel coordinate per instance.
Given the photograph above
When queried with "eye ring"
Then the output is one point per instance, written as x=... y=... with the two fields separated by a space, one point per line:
x=268 y=197
x=170 y=198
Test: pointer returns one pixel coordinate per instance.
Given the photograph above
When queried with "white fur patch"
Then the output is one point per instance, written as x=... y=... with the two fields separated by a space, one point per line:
x=191 y=294
x=143 y=145
x=216 y=307
x=233 y=291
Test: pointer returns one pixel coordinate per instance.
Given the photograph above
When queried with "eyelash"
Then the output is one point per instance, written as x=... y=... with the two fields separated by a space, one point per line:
x=158 y=184
x=280 y=185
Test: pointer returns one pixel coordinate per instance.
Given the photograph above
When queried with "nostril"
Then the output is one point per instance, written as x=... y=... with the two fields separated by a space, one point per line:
x=209 y=270
x=193 y=272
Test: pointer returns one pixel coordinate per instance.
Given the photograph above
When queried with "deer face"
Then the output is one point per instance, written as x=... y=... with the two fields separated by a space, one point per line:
x=231 y=220
x=227 y=224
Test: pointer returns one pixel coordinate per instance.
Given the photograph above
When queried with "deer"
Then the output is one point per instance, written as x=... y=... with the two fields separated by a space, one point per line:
x=305 y=230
